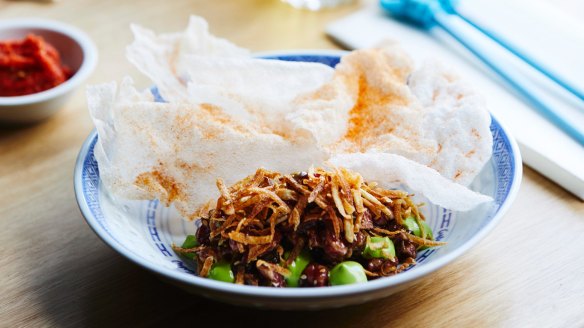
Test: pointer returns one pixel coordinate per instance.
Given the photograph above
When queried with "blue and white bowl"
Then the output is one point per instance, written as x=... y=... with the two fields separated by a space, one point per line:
x=143 y=231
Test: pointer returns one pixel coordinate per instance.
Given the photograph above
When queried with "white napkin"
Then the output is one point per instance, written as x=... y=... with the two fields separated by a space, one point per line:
x=536 y=27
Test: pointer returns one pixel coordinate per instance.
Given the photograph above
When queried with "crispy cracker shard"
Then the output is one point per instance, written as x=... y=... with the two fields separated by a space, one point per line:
x=226 y=114
x=427 y=115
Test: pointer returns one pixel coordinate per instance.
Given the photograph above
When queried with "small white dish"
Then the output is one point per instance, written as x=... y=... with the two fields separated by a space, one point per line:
x=77 y=52
x=143 y=231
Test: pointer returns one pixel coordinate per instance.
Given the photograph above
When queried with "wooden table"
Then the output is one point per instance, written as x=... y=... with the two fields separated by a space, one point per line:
x=54 y=271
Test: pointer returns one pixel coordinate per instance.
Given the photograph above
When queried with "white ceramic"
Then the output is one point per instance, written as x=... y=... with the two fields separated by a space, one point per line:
x=143 y=231
x=77 y=51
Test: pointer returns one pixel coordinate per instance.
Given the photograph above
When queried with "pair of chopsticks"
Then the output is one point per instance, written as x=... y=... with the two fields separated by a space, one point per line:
x=430 y=13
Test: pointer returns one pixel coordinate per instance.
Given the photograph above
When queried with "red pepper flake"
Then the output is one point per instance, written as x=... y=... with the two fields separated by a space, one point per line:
x=29 y=66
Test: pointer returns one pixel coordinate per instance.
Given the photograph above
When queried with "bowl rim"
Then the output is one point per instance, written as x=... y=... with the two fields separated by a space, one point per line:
x=301 y=293
x=88 y=64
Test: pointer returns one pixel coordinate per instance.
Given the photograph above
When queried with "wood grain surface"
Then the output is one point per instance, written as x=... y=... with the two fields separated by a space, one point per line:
x=55 y=272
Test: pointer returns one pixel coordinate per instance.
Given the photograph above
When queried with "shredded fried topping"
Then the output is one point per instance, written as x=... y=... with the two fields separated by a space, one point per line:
x=263 y=222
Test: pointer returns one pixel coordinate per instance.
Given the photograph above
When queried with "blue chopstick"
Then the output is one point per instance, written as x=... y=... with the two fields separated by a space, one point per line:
x=429 y=13
x=514 y=50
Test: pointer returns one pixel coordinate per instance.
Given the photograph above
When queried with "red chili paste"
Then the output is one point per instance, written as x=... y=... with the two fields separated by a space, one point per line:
x=29 y=66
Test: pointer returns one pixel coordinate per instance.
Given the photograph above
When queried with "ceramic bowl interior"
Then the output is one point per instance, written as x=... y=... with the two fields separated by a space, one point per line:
x=143 y=231
x=77 y=51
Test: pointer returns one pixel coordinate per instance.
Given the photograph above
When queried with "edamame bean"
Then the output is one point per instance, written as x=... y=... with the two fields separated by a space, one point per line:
x=348 y=272
x=221 y=271
x=411 y=224
x=190 y=242
x=296 y=268
x=379 y=247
